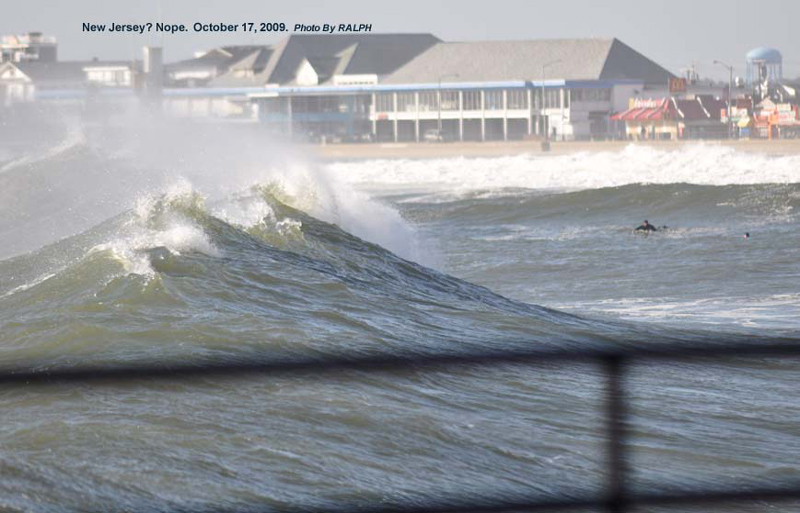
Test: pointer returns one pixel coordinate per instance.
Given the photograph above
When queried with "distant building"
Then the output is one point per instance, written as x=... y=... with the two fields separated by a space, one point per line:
x=70 y=81
x=389 y=87
x=32 y=46
x=403 y=87
x=307 y=83
x=511 y=89
x=206 y=66
x=699 y=117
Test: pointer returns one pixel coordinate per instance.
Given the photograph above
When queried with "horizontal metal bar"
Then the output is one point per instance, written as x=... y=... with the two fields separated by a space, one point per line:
x=499 y=505
x=334 y=363
x=620 y=355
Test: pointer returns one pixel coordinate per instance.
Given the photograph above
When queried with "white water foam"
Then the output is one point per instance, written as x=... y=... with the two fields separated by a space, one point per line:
x=244 y=211
x=160 y=222
x=775 y=311
x=136 y=156
x=315 y=191
x=701 y=164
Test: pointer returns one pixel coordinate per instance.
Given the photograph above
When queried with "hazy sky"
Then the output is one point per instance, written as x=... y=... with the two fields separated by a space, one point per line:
x=674 y=33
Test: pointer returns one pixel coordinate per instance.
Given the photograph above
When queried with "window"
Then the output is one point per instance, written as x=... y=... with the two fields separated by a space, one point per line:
x=566 y=98
x=591 y=95
x=427 y=100
x=362 y=103
x=552 y=98
x=273 y=105
x=331 y=104
x=494 y=100
x=449 y=100
x=406 y=102
x=537 y=98
x=384 y=102
x=517 y=99
x=472 y=100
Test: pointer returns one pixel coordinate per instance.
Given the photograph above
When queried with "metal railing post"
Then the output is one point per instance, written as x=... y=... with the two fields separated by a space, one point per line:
x=615 y=417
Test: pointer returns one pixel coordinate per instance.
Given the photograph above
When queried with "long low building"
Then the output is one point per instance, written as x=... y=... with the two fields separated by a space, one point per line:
x=400 y=87
x=411 y=87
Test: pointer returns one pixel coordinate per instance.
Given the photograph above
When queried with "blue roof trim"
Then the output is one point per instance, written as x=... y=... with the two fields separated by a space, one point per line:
x=354 y=89
x=215 y=91
x=380 y=88
x=600 y=84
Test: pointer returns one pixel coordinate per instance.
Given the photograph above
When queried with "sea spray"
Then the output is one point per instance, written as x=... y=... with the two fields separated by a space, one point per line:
x=87 y=173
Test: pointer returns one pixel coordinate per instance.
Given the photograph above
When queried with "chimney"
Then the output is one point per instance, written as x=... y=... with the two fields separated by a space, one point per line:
x=153 y=68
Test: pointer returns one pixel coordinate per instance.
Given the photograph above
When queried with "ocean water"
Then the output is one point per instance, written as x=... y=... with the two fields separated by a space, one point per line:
x=138 y=246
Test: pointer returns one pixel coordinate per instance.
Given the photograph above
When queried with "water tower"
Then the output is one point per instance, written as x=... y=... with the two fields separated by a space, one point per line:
x=764 y=64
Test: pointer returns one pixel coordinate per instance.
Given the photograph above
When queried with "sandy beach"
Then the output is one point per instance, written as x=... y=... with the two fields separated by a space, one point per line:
x=503 y=148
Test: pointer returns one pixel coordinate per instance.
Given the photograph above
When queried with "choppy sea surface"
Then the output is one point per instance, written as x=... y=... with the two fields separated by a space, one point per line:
x=122 y=250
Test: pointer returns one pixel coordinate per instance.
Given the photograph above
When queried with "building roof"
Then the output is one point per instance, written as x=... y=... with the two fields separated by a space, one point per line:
x=53 y=71
x=329 y=54
x=379 y=54
x=699 y=108
x=566 y=59
x=218 y=61
x=217 y=57
x=657 y=111
x=63 y=73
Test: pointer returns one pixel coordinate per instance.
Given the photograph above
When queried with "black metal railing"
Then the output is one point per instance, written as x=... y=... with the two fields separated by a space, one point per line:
x=617 y=497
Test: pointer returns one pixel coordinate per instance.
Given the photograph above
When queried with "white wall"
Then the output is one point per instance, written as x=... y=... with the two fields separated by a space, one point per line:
x=620 y=94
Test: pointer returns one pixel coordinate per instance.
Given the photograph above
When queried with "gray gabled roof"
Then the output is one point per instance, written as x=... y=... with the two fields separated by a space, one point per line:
x=218 y=57
x=378 y=54
x=624 y=62
x=220 y=62
x=63 y=73
x=490 y=61
x=330 y=54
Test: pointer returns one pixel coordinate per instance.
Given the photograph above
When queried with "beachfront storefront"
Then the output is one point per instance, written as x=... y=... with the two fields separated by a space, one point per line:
x=648 y=119
x=700 y=117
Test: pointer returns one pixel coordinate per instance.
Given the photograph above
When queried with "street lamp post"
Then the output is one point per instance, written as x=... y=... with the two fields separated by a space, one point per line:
x=439 y=102
x=546 y=142
x=730 y=94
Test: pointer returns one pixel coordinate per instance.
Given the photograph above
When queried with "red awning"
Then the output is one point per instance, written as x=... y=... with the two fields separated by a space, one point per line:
x=656 y=113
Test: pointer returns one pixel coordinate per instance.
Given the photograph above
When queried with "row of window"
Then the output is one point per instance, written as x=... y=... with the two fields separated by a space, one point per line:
x=317 y=104
x=516 y=99
x=591 y=95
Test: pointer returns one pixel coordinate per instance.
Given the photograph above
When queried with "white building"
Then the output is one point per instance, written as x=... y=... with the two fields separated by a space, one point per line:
x=68 y=81
x=390 y=87
x=32 y=46
x=493 y=90
x=512 y=89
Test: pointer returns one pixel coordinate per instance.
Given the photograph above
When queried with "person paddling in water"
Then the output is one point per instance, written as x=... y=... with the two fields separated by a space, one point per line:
x=646 y=227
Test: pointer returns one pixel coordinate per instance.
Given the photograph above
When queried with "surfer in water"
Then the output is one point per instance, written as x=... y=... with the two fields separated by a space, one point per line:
x=646 y=227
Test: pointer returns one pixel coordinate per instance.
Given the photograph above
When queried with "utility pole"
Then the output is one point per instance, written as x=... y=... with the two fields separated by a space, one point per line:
x=730 y=94
x=545 y=127
x=439 y=103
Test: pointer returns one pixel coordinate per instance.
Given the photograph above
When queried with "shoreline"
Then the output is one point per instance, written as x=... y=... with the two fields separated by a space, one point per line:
x=414 y=150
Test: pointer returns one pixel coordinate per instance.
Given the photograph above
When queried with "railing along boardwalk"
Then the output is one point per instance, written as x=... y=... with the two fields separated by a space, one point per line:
x=614 y=362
